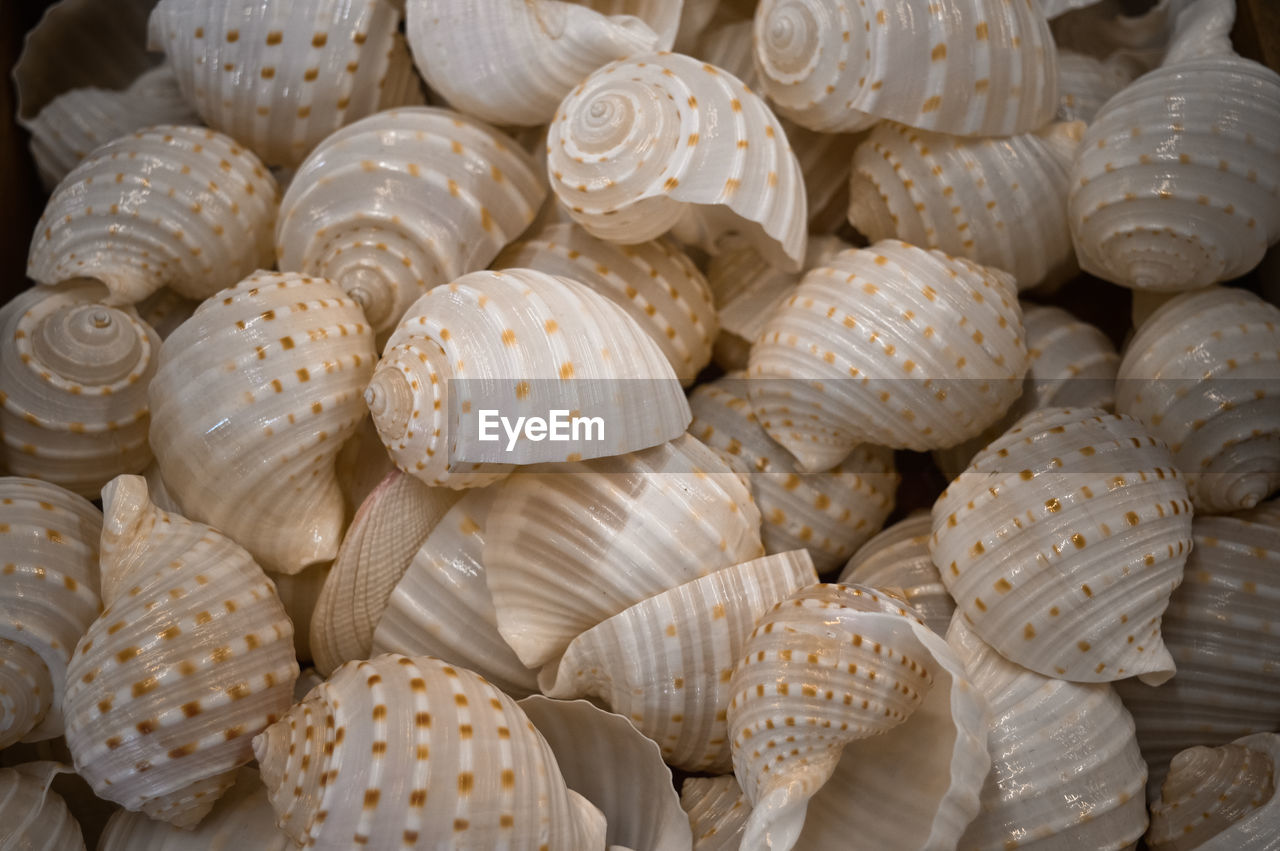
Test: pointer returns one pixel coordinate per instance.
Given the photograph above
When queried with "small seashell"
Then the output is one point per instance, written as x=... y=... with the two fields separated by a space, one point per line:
x=718 y=810
x=1085 y=83
x=35 y=817
x=164 y=310
x=898 y=560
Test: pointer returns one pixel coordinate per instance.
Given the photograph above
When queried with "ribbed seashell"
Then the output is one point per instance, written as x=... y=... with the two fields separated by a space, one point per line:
x=182 y=207
x=299 y=593
x=403 y=201
x=605 y=759
x=1201 y=373
x=192 y=656
x=654 y=282
x=281 y=76
x=1220 y=799
x=972 y=68
x=253 y=399
x=1086 y=83
x=413 y=752
x=830 y=514
x=1065 y=767
x=718 y=810
x=1062 y=542
x=868 y=350
x=35 y=817
x=1102 y=30
x=1177 y=183
x=658 y=519
x=826 y=160
x=665 y=662
x=662 y=140
x=48 y=598
x=442 y=606
x=1001 y=202
x=164 y=310
x=376 y=550
x=73 y=387
x=897 y=561
x=525 y=338
x=881 y=727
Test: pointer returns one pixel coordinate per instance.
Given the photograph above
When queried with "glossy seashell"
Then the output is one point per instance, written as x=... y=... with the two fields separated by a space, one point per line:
x=665 y=661
x=1021 y=539
x=897 y=560
x=73 y=387
x=971 y=68
x=182 y=207
x=407 y=751
x=35 y=817
x=299 y=593
x=1201 y=373
x=403 y=201
x=718 y=810
x=663 y=140
x=1085 y=83
x=841 y=364
x=164 y=310
x=191 y=657
x=254 y=397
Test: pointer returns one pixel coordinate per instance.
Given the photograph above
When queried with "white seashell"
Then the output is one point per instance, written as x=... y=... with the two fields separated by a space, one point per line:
x=868 y=349
x=665 y=661
x=897 y=560
x=281 y=76
x=662 y=140
x=164 y=310
x=192 y=656
x=361 y=465
x=48 y=598
x=253 y=399
x=970 y=68
x=830 y=514
x=299 y=593
x=525 y=340
x=73 y=387
x=718 y=810
x=664 y=17
x=182 y=207
x=1085 y=83
x=403 y=201
x=414 y=753
x=1000 y=202
x=1201 y=373
x=35 y=817
x=1063 y=556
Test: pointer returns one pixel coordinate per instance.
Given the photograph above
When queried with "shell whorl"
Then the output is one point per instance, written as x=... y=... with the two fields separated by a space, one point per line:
x=1210 y=790
x=898 y=558
x=35 y=817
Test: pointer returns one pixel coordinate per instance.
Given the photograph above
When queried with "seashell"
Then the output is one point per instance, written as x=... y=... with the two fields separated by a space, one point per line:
x=384 y=536
x=73 y=387
x=665 y=661
x=407 y=751
x=35 y=816
x=973 y=68
x=1055 y=8
x=718 y=810
x=253 y=399
x=604 y=758
x=659 y=518
x=442 y=607
x=403 y=201
x=836 y=327
x=182 y=207
x=826 y=160
x=1065 y=767
x=1201 y=374
x=830 y=514
x=1177 y=183
x=191 y=657
x=727 y=44
x=1022 y=545
x=466 y=343
x=641 y=146
x=361 y=465
x=164 y=310
x=1103 y=30
x=897 y=559
x=48 y=598
x=281 y=76
x=654 y=282
x=1000 y=202
x=1085 y=83
x=299 y=593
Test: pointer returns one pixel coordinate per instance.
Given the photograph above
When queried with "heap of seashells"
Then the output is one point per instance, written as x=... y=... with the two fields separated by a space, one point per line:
x=291 y=245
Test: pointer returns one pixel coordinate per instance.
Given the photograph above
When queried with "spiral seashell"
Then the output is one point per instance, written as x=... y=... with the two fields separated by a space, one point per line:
x=164 y=310
x=35 y=817
x=191 y=657
x=718 y=811
x=659 y=518
x=413 y=752
x=898 y=560
x=1201 y=373
x=1085 y=83
x=968 y=68
x=299 y=593
x=73 y=387
x=182 y=207
x=521 y=338
x=662 y=140
x=254 y=397
x=665 y=661
x=868 y=349
x=1063 y=556
x=830 y=514
x=281 y=76
x=403 y=201
x=1000 y=202
x=654 y=282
